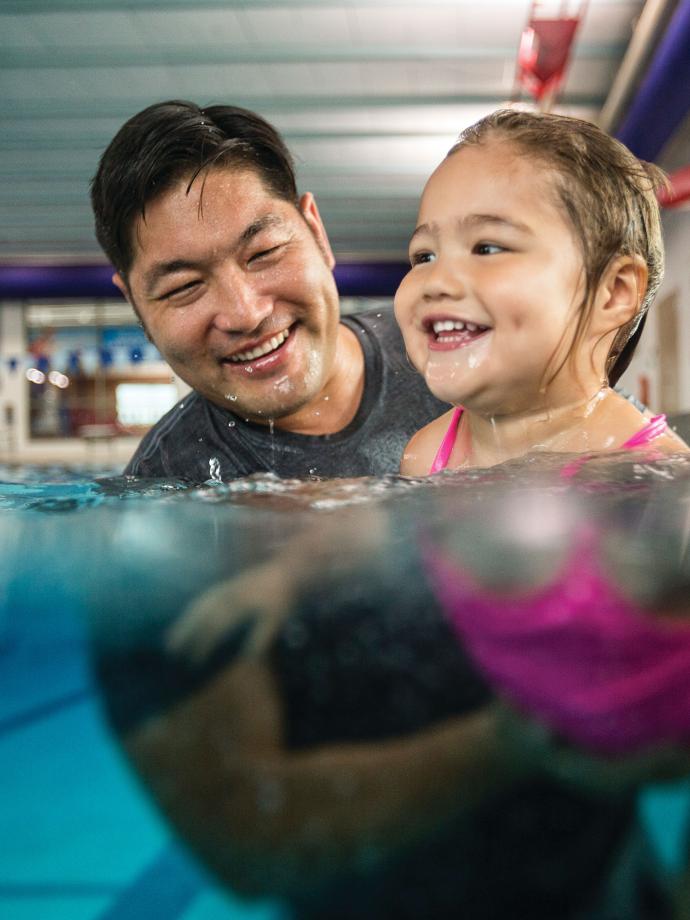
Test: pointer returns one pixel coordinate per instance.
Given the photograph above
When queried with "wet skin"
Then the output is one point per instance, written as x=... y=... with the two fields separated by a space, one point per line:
x=235 y=287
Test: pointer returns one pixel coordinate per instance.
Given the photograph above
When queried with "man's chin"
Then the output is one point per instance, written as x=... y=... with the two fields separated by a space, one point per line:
x=262 y=414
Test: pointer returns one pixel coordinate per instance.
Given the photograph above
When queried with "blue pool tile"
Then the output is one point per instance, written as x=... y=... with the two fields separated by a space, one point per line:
x=42 y=660
x=53 y=908
x=70 y=810
x=665 y=813
x=165 y=888
x=216 y=905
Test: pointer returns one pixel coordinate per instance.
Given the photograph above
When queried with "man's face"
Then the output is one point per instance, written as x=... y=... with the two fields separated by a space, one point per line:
x=235 y=287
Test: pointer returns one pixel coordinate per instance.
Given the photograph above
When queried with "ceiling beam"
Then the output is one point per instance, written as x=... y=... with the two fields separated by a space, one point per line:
x=31 y=7
x=269 y=106
x=79 y=58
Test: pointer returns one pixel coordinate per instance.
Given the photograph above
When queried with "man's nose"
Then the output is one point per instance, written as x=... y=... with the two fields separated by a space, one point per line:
x=241 y=308
x=444 y=278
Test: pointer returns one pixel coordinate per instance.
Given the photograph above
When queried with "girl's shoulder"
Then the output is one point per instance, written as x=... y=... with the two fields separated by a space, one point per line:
x=670 y=443
x=422 y=447
x=632 y=428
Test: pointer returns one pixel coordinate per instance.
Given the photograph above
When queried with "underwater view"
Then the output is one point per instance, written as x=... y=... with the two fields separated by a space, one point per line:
x=374 y=697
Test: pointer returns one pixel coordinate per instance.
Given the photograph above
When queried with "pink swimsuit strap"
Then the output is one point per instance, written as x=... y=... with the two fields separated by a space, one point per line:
x=446 y=447
x=653 y=429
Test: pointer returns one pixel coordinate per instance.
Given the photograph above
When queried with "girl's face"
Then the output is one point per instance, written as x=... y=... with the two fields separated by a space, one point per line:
x=495 y=285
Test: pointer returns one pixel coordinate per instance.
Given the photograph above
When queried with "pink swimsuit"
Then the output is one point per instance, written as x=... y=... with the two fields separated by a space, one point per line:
x=654 y=428
x=576 y=652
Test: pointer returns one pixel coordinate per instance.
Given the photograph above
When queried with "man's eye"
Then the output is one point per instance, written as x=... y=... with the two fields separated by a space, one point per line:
x=487 y=249
x=180 y=291
x=419 y=258
x=266 y=253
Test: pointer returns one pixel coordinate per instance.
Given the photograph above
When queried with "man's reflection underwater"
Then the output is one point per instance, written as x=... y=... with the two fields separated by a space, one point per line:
x=358 y=762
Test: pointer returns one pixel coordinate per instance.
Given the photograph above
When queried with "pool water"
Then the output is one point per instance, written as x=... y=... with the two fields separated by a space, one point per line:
x=80 y=839
x=84 y=555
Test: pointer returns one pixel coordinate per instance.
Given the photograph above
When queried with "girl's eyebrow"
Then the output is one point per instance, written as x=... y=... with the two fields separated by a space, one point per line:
x=474 y=220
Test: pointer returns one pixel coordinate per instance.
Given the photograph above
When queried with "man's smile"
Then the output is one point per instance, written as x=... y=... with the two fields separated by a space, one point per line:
x=265 y=347
x=265 y=354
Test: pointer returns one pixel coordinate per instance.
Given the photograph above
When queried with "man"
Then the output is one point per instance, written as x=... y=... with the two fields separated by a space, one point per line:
x=230 y=273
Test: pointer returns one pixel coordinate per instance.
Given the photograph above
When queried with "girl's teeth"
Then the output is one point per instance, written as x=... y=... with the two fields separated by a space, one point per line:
x=448 y=325
x=261 y=350
x=453 y=325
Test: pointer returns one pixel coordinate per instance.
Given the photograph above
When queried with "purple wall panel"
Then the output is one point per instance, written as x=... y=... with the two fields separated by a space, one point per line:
x=87 y=282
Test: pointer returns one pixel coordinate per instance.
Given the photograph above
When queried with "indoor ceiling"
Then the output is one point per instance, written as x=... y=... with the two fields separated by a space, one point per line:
x=369 y=94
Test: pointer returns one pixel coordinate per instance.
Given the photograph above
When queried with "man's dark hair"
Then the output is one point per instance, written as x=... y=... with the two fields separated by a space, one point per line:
x=172 y=140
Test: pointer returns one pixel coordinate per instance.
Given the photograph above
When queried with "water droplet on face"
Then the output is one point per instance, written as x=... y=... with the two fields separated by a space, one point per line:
x=326 y=398
x=231 y=423
x=231 y=396
x=249 y=370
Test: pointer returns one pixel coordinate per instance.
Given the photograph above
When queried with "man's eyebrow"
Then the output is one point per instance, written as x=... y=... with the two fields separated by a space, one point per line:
x=171 y=267
x=261 y=223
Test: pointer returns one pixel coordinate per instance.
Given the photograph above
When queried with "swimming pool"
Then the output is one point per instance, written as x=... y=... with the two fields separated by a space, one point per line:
x=80 y=838
x=97 y=575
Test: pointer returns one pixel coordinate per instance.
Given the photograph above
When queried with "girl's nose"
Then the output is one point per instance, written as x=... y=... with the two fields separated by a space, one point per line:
x=444 y=278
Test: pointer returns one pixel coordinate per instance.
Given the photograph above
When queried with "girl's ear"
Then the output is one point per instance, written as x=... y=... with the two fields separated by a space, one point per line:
x=620 y=294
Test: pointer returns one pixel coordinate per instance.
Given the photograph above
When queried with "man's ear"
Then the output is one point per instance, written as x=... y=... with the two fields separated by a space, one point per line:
x=620 y=293
x=310 y=213
x=122 y=286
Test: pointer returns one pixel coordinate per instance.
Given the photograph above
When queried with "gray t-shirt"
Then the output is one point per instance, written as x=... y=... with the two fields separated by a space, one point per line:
x=198 y=440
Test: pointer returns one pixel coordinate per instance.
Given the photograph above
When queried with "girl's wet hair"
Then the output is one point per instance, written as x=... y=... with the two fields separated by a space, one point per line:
x=607 y=194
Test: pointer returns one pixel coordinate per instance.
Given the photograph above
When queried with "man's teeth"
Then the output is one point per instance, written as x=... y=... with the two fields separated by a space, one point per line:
x=454 y=325
x=261 y=350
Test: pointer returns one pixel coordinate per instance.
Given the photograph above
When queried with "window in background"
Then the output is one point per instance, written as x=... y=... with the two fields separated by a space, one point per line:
x=143 y=403
x=78 y=359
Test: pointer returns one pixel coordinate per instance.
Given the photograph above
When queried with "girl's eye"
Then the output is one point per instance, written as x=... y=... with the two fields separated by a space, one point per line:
x=419 y=258
x=487 y=249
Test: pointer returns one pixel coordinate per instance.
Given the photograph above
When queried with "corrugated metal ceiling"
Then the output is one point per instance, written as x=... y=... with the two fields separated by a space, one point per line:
x=369 y=95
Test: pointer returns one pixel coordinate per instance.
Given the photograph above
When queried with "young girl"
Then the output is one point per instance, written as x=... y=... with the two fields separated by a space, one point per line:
x=536 y=256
